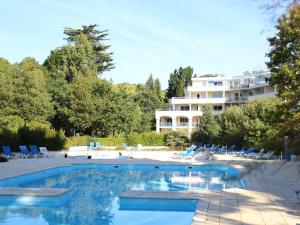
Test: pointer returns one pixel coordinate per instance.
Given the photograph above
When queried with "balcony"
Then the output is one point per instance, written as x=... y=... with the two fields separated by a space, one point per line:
x=165 y=124
x=268 y=94
x=173 y=114
x=236 y=99
x=182 y=124
x=182 y=100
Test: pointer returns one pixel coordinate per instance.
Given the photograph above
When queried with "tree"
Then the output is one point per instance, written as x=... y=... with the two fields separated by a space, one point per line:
x=232 y=129
x=263 y=117
x=74 y=60
x=178 y=80
x=104 y=59
x=119 y=114
x=208 y=128
x=87 y=98
x=284 y=57
x=148 y=102
x=275 y=8
x=150 y=83
x=26 y=95
x=59 y=90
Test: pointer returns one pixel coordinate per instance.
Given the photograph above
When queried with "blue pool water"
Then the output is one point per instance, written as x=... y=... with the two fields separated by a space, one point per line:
x=95 y=190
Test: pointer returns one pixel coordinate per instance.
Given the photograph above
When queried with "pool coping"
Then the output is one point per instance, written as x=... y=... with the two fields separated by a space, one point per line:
x=203 y=198
x=241 y=169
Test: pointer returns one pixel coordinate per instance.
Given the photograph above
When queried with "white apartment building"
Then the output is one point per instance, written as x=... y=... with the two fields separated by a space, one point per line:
x=185 y=112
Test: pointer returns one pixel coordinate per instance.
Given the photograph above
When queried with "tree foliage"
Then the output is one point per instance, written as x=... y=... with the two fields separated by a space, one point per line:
x=207 y=129
x=104 y=61
x=178 y=80
x=23 y=91
x=255 y=124
x=284 y=57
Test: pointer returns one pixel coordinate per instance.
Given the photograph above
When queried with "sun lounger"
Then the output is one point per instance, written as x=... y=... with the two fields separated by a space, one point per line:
x=7 y=152
x=257 y=155
x=239 y=153
x=248 y=153
x=188 y=153
x=34 y=151
x=44 y=151
x=98 y=145
x=24 y=151
x=268 y=155
x=91 y=146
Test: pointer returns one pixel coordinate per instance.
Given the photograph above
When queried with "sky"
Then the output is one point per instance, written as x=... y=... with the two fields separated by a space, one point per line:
x=146 y=36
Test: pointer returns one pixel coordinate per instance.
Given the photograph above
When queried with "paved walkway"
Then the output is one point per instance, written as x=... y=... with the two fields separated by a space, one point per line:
x=267 y=199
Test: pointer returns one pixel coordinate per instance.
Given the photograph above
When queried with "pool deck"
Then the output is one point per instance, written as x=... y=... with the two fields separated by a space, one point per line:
x=267 y=199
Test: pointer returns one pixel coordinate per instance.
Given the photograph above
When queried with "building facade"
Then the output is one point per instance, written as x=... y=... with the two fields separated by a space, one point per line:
x=185 y=112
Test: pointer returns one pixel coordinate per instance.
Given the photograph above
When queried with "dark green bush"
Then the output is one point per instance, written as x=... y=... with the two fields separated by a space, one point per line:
x=146 y=139
x=33 y=133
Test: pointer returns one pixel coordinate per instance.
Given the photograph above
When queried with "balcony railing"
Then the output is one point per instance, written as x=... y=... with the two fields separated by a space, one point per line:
x=182 y=124
x=237 y=99
x=165 y=124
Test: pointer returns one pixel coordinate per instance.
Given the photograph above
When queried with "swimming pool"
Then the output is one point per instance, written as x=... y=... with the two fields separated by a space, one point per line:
x=95 y=191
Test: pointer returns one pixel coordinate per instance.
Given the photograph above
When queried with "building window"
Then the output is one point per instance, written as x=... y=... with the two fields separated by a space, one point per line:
x=217 y=108
x=184 y=120
x=168 y=120
x=215 y=83
x=185 y=108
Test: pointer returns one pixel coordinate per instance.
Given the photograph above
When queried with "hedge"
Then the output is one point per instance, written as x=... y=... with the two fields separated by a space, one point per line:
x=84 y=140
x=36 y=133
x=146 y=139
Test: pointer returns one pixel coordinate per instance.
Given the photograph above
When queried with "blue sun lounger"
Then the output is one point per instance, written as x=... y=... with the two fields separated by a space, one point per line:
x=7 y=152
x=91 y=146
x=189 y=152
x=34 y=151
x=24 y=151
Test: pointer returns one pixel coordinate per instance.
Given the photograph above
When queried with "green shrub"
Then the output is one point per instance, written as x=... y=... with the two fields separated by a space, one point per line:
x=146 y=139
x=36 y=133
x=120 y=147
x=84 y=140
x=176 y=140
x=111 y=141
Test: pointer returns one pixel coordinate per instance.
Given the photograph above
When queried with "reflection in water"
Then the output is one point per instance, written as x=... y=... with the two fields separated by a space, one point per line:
x=95 y=192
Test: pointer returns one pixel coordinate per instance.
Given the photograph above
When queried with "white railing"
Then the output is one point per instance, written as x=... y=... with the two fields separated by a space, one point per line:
x=237 y=99
x=182 y=124
x=165 y=124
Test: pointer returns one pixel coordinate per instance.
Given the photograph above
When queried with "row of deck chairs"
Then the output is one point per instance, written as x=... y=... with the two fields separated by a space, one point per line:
x=245 y=152
x=24 y=152
x=98 y=146
x=194 y=152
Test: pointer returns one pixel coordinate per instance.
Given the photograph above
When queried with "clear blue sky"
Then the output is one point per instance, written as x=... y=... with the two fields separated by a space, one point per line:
x=146 y=36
